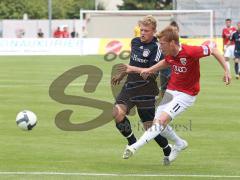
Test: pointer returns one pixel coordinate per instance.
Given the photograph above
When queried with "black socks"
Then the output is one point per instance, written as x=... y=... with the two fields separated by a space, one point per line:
x=236 y=68
x=125 y=129
x=163 y=143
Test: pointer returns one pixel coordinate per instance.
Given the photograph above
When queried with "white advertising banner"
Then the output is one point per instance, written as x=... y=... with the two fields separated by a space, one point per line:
x=49 y=46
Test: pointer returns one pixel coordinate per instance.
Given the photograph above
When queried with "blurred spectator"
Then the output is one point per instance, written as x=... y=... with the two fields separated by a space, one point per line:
x=65 y=33
x=74 y=34
x=57 y=33
x=40 y=34
x=20 y=33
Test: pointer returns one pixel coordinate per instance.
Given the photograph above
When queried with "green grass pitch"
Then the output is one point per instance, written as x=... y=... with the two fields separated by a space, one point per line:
x=211 y=127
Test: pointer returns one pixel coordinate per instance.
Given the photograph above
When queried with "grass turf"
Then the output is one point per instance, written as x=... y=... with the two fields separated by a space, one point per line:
x=211 y=126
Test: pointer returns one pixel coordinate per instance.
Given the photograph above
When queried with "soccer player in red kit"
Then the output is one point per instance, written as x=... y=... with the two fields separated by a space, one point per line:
x=182 y=89
x=228 y=46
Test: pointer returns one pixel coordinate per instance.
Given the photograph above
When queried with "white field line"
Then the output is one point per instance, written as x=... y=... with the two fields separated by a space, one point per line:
x=119 y=175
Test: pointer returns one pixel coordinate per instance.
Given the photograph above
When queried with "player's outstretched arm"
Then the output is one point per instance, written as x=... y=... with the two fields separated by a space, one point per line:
x=125 y=68
x=122 y=71
x=227 y=76
x=160 y=65
x=144 y=72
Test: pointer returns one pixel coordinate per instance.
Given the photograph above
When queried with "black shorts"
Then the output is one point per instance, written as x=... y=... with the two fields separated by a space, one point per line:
x=237 y=54
x=142 y=96
x=146 y=114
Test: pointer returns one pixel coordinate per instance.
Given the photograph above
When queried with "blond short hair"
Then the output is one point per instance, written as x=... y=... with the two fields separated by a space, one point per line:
x=149 y=20
x=169 y=34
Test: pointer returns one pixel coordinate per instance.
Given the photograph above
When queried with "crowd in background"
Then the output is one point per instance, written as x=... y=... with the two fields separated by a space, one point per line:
x=60 y=33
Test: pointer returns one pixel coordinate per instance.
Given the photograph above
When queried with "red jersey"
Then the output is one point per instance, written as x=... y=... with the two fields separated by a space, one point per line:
x=57 y=34
x=65 y=34
x=185 y=69
x=226 y=33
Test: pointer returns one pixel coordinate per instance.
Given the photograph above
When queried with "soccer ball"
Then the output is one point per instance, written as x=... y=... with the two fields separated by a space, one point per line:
x=26 y=120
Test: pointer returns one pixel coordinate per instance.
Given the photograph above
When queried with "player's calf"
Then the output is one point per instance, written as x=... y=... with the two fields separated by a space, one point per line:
x=125 y=129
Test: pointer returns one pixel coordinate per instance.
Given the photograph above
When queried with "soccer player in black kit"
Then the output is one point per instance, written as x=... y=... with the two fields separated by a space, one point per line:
x=236 y=38
x=136 y=91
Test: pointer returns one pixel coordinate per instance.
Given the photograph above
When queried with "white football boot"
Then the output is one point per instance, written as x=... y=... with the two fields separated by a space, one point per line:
x=128 y=152
x=176 y=149
x=166 y=161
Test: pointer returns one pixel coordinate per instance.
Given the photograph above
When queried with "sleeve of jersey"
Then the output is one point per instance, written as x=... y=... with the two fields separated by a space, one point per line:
x=199 y=51
x=167 y=59
x=132 y=42
x=156 y=55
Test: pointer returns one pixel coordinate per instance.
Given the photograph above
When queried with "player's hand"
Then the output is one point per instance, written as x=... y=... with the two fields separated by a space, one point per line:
x=116 y=80
x=227 y=78
x=123 y=68
x=145 y=74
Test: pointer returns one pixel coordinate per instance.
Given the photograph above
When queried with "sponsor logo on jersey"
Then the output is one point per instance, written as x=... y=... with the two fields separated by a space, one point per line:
x=179 y=69
x=137 y=59
x=146 y=52
x=183 y=61
x=141 y=47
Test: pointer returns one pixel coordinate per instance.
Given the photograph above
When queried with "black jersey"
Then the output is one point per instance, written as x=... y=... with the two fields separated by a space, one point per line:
x=236 y=38
x=143 y=55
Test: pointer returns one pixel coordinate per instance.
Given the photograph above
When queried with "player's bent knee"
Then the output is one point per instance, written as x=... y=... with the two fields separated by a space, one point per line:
x=236 y=60
x=115 y=113
x=118 y=114
x=163 y=120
